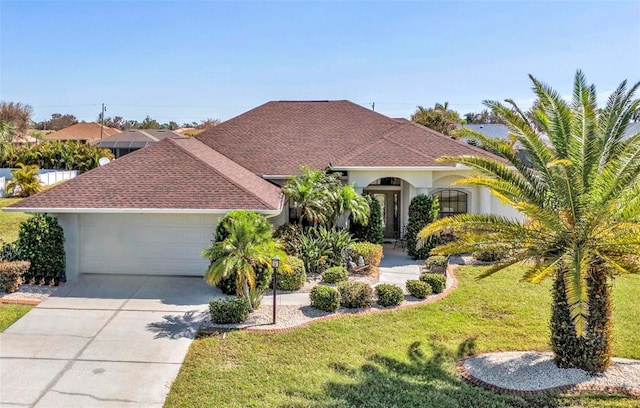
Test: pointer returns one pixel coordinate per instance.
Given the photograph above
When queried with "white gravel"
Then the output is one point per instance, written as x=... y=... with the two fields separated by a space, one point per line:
x=535 y=371
x=30 y=292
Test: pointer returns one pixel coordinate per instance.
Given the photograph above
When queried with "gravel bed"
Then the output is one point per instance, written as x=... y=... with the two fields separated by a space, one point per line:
x=536 y=371
x=30 y=292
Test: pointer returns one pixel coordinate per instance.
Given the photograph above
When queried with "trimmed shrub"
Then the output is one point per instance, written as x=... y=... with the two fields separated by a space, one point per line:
x=389 y=295
x=490 y=254
x=325 y=298
x=294 y=280
x=335 y=274
x=423 y=210
x=8 y=252
x=437 y=282
x=418 y=289
x=41 y=242
x=437 y=264
x=372 y=232
x=11 y=274
x=231 y=310
x=371 y=253
x=355 y=295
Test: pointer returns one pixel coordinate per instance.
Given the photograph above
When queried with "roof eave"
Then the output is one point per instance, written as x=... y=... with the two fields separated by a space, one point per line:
x=54 y=210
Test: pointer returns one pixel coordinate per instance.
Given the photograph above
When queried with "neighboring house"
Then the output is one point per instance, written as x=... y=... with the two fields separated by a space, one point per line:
x=189 y=131
x=133 y=139
x=153 y=211
x=82 y=132
x=492 y=130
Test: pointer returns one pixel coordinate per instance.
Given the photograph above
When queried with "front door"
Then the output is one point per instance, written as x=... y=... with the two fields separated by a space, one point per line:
x=390 y=211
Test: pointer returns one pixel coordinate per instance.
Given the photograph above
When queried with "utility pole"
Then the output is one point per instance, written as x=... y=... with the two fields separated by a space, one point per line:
x=102 y=120
x=373 y=106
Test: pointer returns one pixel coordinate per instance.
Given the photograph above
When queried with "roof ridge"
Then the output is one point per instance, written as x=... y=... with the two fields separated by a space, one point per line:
x=174 y=141
x=147 y=134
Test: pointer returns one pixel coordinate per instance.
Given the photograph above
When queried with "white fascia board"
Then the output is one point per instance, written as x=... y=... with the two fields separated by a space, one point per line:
x=137 y=210
x=367 y=168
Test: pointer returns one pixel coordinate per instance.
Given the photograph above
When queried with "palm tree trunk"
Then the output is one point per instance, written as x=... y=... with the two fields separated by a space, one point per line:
x=591 y=352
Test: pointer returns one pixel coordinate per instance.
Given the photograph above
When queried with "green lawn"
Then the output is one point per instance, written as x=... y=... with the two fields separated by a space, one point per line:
x=395 y=359
x=11 y=313
x=10 y=221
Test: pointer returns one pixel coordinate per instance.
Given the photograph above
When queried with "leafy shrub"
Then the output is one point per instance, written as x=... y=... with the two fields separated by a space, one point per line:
x=288 y=234
x=389 y=295
x=325 y=298
x=11 y=275
x=436 y=281
x=436 y=261
x=231 y=310
x=422 y=211
x=320 y=247
x=490 y=253
x=24 y=181
x=41 y=242
x=418 y=289
x=57 y=155
x=294 y=280
x=371 y=253
x=335 y=274
x=372 y=232
x=354 y=294
x=8 y=252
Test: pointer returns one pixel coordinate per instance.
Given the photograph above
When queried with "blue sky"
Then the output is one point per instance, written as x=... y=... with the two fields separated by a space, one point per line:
x=187 y=61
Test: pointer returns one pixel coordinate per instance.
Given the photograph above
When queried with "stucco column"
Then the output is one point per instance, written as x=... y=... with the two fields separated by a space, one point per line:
x=485 y=201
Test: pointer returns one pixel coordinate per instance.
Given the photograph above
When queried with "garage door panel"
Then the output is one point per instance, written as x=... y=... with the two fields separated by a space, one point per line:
x=145 y=243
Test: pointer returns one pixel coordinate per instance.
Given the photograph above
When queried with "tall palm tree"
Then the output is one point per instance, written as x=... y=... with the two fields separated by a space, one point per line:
x=245 y=252
x=578 y=186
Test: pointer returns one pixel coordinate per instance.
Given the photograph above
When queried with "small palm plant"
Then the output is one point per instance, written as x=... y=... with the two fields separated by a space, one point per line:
x=25 y=181
x=576 y=180
x=245 y=254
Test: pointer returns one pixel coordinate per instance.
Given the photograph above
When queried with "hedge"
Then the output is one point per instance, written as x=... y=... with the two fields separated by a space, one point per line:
x=231 y=310
x=11 y=275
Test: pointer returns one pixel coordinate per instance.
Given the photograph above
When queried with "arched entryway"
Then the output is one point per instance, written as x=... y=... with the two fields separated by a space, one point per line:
x=389 y=193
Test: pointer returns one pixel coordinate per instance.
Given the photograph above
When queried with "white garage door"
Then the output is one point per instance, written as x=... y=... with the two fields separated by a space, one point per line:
x=150 y=244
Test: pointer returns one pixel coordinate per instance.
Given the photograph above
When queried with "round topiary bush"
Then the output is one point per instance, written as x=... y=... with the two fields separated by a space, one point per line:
x=231 y=310
x=389 y=295
x=355 y=295
x=294 y=280
x=325 y=298
x=437 y=282
x=335 y=274
x=419 y=289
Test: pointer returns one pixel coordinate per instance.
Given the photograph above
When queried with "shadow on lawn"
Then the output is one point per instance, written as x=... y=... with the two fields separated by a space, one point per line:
x=425 y=380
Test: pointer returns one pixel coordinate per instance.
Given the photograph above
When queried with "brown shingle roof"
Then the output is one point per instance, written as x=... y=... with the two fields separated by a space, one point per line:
x=180 y=173
x=82 y=131
x=135 y=138
x=277 y=137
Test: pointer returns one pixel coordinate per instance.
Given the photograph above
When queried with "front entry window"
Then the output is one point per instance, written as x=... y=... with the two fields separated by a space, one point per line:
x=452 y=202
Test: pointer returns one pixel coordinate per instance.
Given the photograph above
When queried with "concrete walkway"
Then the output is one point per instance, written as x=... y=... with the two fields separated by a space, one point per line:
x=106 y=341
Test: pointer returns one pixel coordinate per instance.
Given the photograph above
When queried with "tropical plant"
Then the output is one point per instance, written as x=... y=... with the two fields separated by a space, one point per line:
x=310 y=192
x=372 y=230
x=438 y=118
x=320 y=198
x=320 y=247
x=244 y=254
x=423 y=209
x=24 y=181
x=7 y=131
x=577 y=184
x=56 y=155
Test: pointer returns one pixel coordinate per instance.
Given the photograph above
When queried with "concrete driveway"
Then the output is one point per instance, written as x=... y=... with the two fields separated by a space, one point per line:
x=105 y=341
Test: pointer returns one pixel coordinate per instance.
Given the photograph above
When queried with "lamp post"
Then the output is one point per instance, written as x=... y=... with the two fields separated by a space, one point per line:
x=275 y=263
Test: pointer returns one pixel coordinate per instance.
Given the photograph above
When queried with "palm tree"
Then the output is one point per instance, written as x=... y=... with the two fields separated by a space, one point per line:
x=310 y=193
x=347 y=200
x=25 y=180
x=246 y=252
x=578 y=187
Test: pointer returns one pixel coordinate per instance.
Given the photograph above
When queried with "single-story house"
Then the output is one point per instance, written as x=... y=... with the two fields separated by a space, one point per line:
x=84 y=132
x=131 y=140
x=154 y=210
